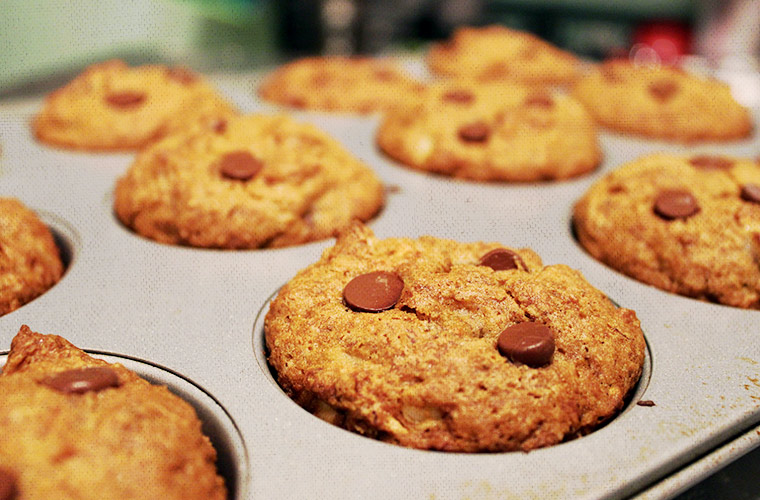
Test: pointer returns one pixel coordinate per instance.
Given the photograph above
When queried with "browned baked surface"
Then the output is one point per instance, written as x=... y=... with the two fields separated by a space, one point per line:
x=499 y=53
x=247 y=182
x=492 y=132
x=662 y=102
x=29 y=258
x=339 y=84
x=134 y=441
x=112 y=106
x=710 y=254
x=426 y=373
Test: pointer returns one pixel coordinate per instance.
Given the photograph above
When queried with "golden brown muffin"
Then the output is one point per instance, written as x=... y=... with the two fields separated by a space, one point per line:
x=111 y=106
x=662 y=102
x=435 y=344
x=687 y=224
x=341 y=84
x=29 y=259
x=499 y=53
x=492 y=132
x=78 y=428
x=247 y=182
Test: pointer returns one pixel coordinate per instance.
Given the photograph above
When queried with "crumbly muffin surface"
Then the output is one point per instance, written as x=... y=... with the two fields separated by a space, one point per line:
x=499 y=53
x=492 y=132
x=131 y=441
x=427 y=372
x=112 y=106
x=29 y=258
x=703 y=243
x=662 y=103
x=339 y=84
x=246 y=182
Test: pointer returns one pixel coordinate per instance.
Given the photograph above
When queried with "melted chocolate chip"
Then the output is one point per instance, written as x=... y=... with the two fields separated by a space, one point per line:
x=126 y=100
x=458 y=96
x=182 y=75
x=220 y=126
x=540 y=101
x=295 y=101
x=675 y=204
x=663 y=90
x=239 y=165
x=751 y=193
x=708 y=162
x=474 y=132
x=385 y=75
x=8 y=488
x=501 y=259
x=610 y=74
x=528 y=343
x=81 y=380
x=373 y=292
x=645 y=402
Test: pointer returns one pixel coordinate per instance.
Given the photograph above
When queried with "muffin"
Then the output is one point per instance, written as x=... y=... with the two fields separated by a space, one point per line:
x=360 y=85
x=29 y=258
x=499 y=53
x=79 y=428
x=246 y=182
x=435 y=344
x=114 y=107
x=492 y=132
x=662 y=103
x=687 y=224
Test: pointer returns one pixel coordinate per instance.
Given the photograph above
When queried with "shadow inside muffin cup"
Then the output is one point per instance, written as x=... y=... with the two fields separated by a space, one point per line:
x=65 y=236
x=216 y=422
x=635 y=394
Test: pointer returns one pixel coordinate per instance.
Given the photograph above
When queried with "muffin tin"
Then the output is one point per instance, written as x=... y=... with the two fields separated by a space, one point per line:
x=192 y=319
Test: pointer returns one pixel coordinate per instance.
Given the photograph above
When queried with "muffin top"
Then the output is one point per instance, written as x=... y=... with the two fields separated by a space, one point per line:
x=435 y=344
x=112 y=106
x=29 y=260
x=499 y=53
x=79 y=428
x=688 y=224
x=340 y=84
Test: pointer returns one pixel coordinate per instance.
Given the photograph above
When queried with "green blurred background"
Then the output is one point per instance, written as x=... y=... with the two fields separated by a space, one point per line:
x=44 y=42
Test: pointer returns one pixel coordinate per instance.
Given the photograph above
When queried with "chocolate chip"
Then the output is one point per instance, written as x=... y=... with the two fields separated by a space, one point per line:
x=295 y=101
x=529 y=343
x=663 y=90
x=474 y=132
x=385 y=75
x=751 y=192
x=610 y=74
x=458 y=96
x=81 y=380
x=239 y=165
x=220 y=126
x=645 y=402
x=373 y=292
x=182 y=75
x=539 y=101
x=126 y=100
x=501 y=259
x=8 y=488
x=708 y=162
x=675 y=204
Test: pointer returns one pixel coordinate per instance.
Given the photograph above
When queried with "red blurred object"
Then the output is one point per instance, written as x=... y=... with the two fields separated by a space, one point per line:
x=668 y=39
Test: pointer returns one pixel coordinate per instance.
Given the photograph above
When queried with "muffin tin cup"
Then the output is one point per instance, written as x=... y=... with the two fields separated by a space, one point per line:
x=201 y=313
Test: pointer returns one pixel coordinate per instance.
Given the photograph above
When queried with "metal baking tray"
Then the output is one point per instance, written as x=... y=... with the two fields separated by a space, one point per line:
x=197 y=315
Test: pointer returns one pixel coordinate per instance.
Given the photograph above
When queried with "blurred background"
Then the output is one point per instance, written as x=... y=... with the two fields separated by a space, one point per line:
x=44 y=42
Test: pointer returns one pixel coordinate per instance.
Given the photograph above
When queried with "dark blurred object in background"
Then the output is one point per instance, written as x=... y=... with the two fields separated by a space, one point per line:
x=592 y=28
